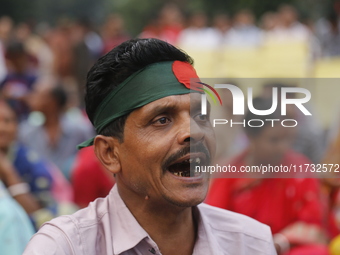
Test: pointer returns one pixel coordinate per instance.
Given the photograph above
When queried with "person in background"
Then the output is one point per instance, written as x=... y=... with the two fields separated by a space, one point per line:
x=269 y=21
x=48 y=131
x=60 y=42
x=288 y=28
x=113 y=32
x=34 y=179
x=15 y=226
x=198 y=35
x=92 y=39
x=221 y=24
x=291 y=205
x=90 y=179
x=20 y=78
x=36 y=47
x=167 y=26
x=244 y=32
x=331 y=183
x=309 y=136
x=328 y=32
x=6 y=30
x=83 y=58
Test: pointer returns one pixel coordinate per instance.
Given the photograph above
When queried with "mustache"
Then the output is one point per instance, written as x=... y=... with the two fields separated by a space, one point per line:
x=199 y=147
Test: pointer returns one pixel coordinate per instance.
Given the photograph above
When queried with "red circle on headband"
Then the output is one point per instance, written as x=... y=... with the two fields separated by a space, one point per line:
x=184 y=72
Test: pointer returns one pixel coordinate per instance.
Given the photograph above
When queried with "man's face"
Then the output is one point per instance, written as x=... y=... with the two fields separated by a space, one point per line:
x=155 y=153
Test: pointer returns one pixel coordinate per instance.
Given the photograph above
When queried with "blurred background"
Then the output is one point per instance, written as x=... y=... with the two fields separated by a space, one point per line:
x=47 y=47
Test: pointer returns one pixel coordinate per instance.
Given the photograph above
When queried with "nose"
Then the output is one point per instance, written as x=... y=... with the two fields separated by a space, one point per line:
x=189 y=132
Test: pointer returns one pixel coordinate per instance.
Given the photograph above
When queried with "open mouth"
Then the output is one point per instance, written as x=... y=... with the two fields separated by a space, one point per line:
x=188 y=166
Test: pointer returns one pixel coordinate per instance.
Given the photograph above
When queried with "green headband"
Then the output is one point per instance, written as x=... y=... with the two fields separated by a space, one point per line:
x=149 y=84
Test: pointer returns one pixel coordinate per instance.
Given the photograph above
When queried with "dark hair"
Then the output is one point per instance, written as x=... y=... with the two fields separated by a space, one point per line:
x=15 y=49
x=59 y=94
x=261 y=103
x=117 y=65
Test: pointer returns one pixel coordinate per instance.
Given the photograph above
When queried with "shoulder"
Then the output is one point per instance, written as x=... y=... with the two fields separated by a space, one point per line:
x=50 y=240
x=87 y=218
x=71 y=234
x=224 y=221
x=87 y=221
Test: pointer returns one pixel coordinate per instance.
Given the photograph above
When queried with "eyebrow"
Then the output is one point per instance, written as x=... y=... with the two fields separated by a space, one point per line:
x=195 y=105
x=161 y=109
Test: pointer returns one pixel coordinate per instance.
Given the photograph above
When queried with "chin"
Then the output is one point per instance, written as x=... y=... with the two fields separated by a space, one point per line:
x=186 y=204
x=188 y=200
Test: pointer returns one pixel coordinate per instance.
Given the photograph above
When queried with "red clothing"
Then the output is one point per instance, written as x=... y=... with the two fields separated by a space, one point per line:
x=275 y=202
x=90 y=179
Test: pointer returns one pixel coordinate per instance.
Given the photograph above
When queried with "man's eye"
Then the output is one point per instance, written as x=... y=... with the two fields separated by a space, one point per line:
x=162 y=121
x=201 y=117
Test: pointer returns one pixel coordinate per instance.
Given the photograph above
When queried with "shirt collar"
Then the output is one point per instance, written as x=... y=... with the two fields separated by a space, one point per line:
x=127 y=233
x=205 y=241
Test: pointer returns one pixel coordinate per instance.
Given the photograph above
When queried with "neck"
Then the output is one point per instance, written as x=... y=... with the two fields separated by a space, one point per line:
x=168 y=225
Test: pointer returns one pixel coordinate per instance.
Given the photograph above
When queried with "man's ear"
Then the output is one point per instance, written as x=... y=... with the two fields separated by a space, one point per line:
x=107 y=151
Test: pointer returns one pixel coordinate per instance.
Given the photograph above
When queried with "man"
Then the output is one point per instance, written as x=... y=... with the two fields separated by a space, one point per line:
x=290 y=205
x=38 y=187
x=57 y=136
x=19 y=79
x=138 y=98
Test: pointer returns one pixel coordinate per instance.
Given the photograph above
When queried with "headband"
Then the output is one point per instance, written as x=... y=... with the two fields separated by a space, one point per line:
x=149 y=84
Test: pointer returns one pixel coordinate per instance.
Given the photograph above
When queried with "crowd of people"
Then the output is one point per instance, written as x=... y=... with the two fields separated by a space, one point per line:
x=242 y=30
x=42 y=120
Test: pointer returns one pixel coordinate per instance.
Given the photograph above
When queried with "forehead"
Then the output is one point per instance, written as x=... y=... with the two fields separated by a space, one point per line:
x=176 y=102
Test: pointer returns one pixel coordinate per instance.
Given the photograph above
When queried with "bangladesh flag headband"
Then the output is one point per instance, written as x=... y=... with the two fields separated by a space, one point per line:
x=149 y=84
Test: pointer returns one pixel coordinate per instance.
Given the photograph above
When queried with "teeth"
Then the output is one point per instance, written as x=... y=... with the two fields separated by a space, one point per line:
x=192 y=160
x=181 y=174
